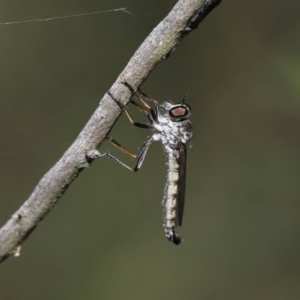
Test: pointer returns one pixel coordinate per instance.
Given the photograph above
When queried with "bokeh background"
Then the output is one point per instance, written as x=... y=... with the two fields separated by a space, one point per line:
x=104 y=239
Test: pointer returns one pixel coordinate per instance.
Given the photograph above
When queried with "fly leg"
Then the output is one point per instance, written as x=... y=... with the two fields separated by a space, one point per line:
x=143 y=150
x=124 y=108
x=139 y=93
x=140 y=156
x=151 y=114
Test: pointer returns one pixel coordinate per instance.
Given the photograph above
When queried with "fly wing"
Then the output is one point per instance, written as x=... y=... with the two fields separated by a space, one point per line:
x=181 y=182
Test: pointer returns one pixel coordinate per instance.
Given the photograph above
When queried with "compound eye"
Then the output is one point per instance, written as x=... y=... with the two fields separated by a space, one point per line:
x=178 y=112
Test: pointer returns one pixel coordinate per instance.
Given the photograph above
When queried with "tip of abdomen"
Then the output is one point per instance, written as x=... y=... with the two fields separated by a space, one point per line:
x=172 y=236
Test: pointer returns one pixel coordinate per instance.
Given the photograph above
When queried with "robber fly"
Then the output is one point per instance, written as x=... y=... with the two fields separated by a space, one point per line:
x=169 y=121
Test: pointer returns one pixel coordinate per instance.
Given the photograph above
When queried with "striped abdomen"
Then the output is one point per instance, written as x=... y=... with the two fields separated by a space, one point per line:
x=171 y=201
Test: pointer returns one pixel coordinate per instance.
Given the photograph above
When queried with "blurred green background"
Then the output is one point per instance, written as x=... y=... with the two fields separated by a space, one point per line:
x=104 y=239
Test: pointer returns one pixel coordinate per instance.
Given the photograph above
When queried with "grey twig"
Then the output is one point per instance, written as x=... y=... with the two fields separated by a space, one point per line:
x=184 y=17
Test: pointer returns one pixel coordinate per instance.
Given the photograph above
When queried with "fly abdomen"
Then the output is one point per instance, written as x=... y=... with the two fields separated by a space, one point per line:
x=170 y=201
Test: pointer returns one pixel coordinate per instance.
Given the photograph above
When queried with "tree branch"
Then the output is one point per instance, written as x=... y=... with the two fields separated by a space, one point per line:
x=184 y=17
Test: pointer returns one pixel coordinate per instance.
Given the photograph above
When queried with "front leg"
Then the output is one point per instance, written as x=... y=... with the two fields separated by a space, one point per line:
x=124 y=108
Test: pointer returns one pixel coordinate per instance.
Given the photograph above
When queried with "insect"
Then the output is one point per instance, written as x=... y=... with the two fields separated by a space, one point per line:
x=172 y=127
